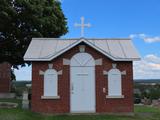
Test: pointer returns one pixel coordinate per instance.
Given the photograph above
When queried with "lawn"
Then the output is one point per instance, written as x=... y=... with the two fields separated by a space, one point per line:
x=141 y=113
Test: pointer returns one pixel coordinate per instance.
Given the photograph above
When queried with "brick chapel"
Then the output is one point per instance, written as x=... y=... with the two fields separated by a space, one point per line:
x=82 y=75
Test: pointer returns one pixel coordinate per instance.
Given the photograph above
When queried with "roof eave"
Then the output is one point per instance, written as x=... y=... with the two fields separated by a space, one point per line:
x=51 y=57
x=41 y=59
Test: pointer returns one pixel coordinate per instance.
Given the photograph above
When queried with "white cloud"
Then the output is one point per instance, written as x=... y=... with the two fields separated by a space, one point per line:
x=145 y=37
x=147 y=68
x=141 y=36
x=152 y=39
x=152 y=58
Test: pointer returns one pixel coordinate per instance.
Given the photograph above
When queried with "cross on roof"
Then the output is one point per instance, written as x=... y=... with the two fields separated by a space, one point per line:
x=82 y=25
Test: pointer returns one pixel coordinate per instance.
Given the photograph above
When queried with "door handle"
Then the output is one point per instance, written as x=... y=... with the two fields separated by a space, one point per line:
x=72 y=88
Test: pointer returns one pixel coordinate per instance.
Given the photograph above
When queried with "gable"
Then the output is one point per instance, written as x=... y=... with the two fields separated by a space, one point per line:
x=46 y=49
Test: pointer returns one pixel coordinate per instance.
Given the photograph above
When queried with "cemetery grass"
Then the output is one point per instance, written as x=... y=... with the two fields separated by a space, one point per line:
x=141 y=113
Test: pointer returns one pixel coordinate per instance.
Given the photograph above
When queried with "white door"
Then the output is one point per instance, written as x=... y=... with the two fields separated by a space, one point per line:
x=82 y=83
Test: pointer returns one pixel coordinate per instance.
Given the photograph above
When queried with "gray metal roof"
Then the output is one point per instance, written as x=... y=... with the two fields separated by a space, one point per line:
x=46 y=49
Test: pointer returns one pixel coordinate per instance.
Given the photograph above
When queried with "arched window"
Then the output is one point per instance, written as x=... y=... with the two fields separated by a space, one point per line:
x=50 y=83
x=114 y=83
x=82 y=59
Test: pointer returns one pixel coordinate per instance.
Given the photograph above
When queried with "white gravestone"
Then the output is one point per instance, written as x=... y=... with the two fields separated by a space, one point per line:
x=25 y=101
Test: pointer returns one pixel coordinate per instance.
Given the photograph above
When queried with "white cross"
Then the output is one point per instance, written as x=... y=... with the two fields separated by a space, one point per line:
x=82 y=25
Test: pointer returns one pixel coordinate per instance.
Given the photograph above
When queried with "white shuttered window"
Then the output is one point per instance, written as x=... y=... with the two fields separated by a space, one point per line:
x=114 y=83
x=50 y=83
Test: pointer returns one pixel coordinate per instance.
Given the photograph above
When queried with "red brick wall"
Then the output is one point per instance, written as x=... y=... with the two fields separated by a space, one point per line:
x=5 y=77
x=62 y=105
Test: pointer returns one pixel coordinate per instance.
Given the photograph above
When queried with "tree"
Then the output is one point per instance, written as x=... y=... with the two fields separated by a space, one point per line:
x=21 y=20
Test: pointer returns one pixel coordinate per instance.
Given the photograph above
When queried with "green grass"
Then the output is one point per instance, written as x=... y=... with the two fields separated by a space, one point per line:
x=146 y=109
x=141 y=113
x=12 y=100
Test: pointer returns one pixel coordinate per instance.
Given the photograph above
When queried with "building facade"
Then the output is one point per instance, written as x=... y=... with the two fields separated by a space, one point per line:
x=82 y=75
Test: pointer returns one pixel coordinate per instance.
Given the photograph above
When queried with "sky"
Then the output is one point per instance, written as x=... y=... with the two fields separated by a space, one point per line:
x=136 y=19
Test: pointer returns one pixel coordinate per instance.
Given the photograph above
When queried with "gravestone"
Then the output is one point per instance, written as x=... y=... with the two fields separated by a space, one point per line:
x=146 y=101
x=156 y=103
x=25 y=101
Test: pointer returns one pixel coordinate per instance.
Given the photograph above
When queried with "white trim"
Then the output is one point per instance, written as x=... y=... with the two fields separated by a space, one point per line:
x=117 y=59
x=41 y=72
x=51 y=57
x=59 y=72
x=87 y=60
x=50 y=97
x=98 y=61
x=66 y=61
x=123 y=73
x=50 y=66
x=116 y=96
x=81 y=112
x=114 y=66
x=105 y=72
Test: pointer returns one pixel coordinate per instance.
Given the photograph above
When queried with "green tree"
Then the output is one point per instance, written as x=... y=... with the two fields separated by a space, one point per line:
x=154 y=93
x=21 y=20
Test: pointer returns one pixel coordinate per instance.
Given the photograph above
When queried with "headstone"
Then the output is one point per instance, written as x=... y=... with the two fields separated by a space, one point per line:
x=7 y=95
x=25 y=101
x=146 y=101
x=156 y=103
x=8 y=105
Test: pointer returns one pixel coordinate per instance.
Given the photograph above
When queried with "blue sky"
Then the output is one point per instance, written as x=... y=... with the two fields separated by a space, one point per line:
x=138 y=19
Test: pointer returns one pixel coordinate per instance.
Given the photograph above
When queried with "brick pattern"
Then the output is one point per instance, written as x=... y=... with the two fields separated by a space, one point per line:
x=5 y=77
x=62 y=105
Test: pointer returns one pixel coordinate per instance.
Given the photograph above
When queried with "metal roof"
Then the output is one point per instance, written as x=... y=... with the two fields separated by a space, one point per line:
x=46 y=49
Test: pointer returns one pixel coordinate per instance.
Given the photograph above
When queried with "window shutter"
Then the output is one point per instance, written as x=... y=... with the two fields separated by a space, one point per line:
x=114 y=83
x=50 y=83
